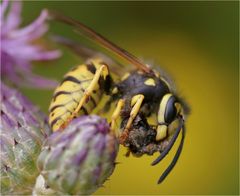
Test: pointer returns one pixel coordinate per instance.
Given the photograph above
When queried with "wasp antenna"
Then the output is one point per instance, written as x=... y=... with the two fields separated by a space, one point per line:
x=99 y=39
x=170 y=145
x=175 y=159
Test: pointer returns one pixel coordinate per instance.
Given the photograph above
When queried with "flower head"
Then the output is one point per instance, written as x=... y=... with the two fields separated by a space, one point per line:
x=18 y=49
x=80 y=158
x=23 y=129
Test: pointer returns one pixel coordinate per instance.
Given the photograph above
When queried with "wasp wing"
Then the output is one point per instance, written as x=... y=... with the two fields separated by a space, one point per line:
x=88 y=53
x=78 y=49
x=100 y=39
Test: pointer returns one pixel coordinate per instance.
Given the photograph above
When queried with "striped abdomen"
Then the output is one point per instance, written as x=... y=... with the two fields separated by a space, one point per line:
x=69 y=93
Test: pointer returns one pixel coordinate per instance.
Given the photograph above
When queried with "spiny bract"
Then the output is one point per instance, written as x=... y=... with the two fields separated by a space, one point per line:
x=23 y=130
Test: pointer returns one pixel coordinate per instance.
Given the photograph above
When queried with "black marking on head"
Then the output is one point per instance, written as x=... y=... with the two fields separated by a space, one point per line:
x=91 y=68
x=60 y=93
x=71 y=79
x=170 y=111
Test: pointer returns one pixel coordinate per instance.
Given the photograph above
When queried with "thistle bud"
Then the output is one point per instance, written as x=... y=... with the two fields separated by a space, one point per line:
x=23 y=129
x=80 y=158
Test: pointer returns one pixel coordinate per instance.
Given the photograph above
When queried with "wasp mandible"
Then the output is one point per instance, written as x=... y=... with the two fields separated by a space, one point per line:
x=139 y=94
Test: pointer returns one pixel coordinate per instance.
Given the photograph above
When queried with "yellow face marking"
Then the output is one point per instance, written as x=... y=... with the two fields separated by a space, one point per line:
x=161 y=132
x=162 y=107
x=150 y=82
x=125 y=76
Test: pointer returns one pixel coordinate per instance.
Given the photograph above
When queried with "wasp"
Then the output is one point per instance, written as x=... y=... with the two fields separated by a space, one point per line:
x=138 y=95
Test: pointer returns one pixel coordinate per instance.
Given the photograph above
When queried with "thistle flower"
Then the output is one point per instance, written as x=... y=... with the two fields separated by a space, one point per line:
x=17 y=47
x=80 y=158
x=22 y=131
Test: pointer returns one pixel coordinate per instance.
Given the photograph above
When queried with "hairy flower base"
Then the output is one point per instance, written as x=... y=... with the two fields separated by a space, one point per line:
x=41 y=188
x=80 y=158
x=23 y=130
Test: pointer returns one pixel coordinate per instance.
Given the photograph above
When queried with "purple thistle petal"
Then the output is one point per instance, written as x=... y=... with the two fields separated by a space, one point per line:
x=13 y=18
x=43 y=56
x=32 y=27
x=40 y=82
x=34 y=35
x=18 y=50
x=3 y=7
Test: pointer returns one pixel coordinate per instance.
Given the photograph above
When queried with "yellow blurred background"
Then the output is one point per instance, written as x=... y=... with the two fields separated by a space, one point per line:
x=197 y=44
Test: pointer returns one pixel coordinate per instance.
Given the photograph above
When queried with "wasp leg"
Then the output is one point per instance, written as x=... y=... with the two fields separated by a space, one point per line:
x=136 y=103
x=115 y=115
x=101 y=72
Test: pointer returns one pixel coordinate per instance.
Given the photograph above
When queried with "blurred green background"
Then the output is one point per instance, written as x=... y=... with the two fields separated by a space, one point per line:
x=197 y=44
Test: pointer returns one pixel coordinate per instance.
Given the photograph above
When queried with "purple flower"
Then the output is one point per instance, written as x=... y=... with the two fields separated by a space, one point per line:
x=79 y=159
x=18 y=49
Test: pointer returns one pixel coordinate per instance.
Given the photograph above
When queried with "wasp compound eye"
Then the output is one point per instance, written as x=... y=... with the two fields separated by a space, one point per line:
x=167 y=109
x=171 y=110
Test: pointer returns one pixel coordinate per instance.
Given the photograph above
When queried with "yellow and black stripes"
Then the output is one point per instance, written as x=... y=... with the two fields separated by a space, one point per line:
x=72 y=90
